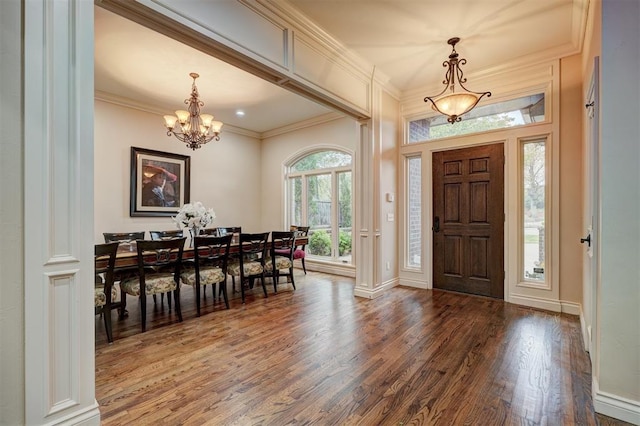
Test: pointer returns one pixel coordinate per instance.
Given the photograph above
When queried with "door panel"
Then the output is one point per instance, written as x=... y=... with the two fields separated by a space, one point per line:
x=468 y=204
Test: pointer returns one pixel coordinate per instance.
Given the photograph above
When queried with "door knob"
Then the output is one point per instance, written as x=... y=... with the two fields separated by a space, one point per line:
x=436 y=224
x=586 y=240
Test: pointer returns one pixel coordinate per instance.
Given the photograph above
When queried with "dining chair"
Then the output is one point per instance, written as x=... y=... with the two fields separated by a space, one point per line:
x=299 y=253
x=283 y=244
x=211 y=254
x=126 y=239
x=249 y=265
x=159 y=268
x=163 y=235
x=105 y=293
x=235 y=231
x=212 y=232
x=127 y=242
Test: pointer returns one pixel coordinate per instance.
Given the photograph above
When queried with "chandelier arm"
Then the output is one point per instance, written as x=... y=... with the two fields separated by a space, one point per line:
x=446 y=86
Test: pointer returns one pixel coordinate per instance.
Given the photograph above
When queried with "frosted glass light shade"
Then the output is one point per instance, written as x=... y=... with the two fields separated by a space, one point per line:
x=455 y=103
x=170 y=121
x=216 y=126
x=183 y=115
x=206 y=120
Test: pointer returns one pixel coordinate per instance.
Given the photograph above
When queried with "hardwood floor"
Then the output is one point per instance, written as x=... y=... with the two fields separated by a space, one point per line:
x=319 y=355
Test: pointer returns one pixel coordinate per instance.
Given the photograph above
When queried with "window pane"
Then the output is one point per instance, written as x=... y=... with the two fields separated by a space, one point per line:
x=319 y=215
x=295 y=205
x=533 y=173
x=515 y=112
x=414 y=208
x=322 y=160
x=344 y=217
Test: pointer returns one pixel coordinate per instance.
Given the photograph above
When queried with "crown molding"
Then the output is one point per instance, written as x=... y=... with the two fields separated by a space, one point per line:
x=315 y=121
x=141 y=106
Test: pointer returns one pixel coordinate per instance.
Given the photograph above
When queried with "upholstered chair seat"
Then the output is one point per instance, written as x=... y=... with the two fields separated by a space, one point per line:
x=154 y=283
x=250 y=268
x=100 y=298
x=207 y=276
x=281 y=263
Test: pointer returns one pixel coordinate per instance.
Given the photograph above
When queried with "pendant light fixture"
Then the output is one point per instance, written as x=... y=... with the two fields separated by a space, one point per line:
x=450 y=102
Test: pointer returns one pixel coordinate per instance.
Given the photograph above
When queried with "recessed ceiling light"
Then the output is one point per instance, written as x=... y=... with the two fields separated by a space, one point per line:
x=240 y=113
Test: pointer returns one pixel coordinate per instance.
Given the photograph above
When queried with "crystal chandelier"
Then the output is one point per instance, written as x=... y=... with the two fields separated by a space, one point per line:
x=195 y=129
x=454 y=104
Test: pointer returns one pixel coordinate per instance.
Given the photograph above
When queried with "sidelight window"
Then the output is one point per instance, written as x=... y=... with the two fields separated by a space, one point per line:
x=413 y=222
x=533 y=168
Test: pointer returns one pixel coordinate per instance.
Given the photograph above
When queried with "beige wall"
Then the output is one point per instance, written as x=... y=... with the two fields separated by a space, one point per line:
x=224 y=175
x=389 y=143
x=571 y=227
x=341 y=133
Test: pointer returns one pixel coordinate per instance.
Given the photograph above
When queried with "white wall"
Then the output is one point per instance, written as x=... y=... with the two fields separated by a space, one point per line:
x=225 y=175
x=619 y=294
x=11 y=223
x=277 y=150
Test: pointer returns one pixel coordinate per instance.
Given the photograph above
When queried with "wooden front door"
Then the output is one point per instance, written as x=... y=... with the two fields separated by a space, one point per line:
x=468 y=220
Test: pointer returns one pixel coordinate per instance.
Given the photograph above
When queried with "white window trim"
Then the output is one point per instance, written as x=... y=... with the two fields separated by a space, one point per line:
x=333 y=172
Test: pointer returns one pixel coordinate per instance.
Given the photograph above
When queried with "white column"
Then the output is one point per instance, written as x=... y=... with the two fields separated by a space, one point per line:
x=58 y=212
x=368 y=204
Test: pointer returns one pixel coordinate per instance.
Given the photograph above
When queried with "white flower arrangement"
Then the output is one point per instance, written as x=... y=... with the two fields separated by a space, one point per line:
x=193 y=216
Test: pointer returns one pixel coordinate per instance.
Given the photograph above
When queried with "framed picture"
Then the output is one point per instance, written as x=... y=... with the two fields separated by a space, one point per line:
x=159 y=182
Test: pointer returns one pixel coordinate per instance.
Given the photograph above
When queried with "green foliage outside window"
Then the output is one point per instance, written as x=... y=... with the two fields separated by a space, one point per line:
x=344 y=244
x=320 y=243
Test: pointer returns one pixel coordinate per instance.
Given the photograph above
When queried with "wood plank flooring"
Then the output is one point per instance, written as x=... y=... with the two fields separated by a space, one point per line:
x=318 y=355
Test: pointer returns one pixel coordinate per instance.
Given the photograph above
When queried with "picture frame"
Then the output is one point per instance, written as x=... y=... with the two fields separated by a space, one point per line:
x=160 y=182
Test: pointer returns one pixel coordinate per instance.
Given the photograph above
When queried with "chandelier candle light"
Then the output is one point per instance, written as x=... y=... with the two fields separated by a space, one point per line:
x=454 y=104
x=195 y=129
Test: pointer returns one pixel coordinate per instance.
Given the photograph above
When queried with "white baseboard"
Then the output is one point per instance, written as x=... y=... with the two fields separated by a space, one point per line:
x=536 y=302
x=330 y=268
x=408 y=282
x=615 y=406
x=586 y=335
x=376 y=292
x=571 y=308
x=88 y=417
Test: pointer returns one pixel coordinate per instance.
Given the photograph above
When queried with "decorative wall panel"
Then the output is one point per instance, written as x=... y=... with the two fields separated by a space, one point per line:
x=318 y=67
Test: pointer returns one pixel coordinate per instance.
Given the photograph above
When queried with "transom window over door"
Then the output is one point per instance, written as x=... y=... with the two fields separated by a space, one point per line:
x=320 y=188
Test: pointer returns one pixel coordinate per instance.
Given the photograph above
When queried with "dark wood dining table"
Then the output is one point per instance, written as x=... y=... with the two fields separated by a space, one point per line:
x=127 y=256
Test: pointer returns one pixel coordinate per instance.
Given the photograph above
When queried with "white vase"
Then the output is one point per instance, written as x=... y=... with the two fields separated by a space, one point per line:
x=193 y=231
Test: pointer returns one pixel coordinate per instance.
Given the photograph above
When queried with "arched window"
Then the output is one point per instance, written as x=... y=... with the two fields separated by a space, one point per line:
x=320 y=189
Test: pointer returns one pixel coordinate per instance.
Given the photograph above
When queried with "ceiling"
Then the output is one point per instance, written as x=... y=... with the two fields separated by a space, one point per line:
x=404 y=39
